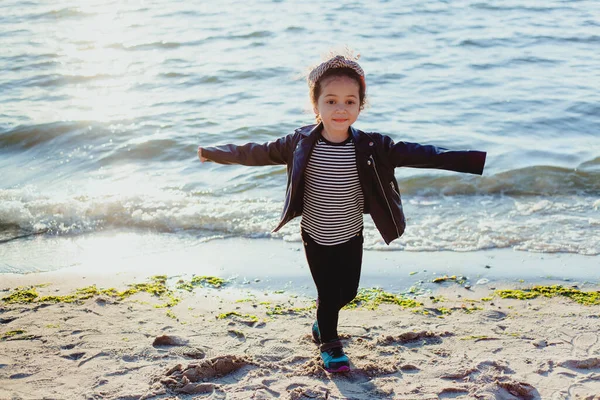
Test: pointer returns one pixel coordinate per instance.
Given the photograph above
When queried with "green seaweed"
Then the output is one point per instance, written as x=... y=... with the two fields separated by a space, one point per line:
x=581 y=297
x=470 y=310
x=245 y=300
x=171 y=301
x=444 y=310
x=156 y=287
x=237 y=315
x=11 y=334
x=21 y=295
x=201 y=281
x=374 y=297
x=282 y=310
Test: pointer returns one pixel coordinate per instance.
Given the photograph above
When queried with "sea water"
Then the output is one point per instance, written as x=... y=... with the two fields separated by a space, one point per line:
x=104 y=103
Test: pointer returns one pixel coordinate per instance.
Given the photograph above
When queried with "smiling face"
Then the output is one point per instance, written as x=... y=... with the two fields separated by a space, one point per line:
x=338 y=106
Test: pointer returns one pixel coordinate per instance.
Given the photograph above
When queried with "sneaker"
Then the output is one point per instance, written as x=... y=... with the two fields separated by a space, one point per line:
x=316 y=334
x=334 y=358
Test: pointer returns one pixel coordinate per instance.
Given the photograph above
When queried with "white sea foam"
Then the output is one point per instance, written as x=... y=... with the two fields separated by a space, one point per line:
x=455 y=224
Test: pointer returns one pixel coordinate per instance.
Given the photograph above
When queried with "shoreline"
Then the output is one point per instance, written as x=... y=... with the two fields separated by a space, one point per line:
x=273 y=264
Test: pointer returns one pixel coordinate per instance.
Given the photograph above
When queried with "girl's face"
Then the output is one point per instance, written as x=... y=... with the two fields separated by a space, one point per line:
x=338 y=105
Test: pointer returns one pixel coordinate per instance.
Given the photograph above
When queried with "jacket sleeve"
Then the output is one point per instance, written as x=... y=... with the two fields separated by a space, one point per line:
x=406 y=154
x=252 y=154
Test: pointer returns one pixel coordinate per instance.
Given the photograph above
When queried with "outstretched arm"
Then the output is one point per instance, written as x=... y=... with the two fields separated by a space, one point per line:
x=253 y=154
x=406 y=154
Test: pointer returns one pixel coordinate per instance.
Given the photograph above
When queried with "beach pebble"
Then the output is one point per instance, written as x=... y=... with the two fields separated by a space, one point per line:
x=408 y=367
x=540 y=344
x=19 y=376
x=482 y=281
x=167 y=340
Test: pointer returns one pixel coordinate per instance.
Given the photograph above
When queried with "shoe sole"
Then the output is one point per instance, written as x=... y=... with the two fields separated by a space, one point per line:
x=343 y=368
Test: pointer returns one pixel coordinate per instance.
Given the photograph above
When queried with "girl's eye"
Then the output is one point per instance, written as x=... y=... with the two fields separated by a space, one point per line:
x=331 y=102
x=350 y=102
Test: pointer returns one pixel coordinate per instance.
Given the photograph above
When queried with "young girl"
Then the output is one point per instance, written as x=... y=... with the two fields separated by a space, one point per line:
x=336 y=173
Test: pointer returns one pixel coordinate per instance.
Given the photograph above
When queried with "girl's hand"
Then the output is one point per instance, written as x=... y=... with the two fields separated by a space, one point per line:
x=200 y=154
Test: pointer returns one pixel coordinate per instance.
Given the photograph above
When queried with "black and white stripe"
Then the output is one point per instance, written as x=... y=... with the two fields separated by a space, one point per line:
x=333 y=198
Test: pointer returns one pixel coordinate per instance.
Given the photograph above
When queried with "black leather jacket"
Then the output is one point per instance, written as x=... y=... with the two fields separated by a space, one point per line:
x=376 y=155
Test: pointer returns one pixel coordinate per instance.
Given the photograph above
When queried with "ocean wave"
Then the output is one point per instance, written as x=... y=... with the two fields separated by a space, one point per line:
x=241 y=36
x=152 y=46
x=174 y=75
x=167 y=211
x=63 y=13
x=520 y=41
x=226 y=76
x=487 y=43
x=499 y=7
x=24 y=137
x=539 y=224
x=56 y=80
x=155 y=149
x=528 y=181
x=166 y=45
x=591 y=39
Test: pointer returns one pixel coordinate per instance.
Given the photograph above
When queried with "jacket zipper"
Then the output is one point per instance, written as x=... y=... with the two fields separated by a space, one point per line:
x=383 y=191
x=393 y=188
x=290 y=196
x=285 y=210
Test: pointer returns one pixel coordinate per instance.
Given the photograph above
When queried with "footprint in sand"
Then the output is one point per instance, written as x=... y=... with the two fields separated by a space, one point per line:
x=494 y=315
x=274 y=353
x=301 y=392
x=195 y=353
x=583 y=391
x=583 y=343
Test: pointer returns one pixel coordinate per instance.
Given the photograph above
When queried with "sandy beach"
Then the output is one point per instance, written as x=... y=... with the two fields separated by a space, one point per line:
x=131 y=270
x=92 y=334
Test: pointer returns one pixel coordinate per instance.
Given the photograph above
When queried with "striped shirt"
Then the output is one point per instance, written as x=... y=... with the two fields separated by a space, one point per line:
x=333 y=198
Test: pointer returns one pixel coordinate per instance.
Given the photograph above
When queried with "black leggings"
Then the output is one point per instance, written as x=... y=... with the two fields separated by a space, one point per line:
x=336 y=272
